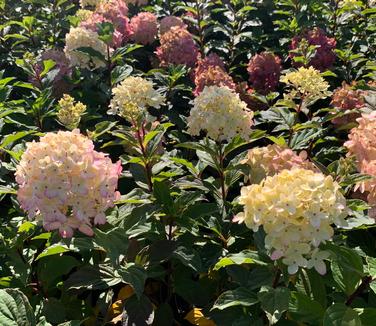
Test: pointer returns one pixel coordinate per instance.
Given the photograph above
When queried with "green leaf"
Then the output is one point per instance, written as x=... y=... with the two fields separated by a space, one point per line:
x=244 y=257
x=138 y=312
x=161 y=191
x=10 y=139
x=53 y=250
x=99 y=277
x=92 y=53
x=52 y=269
x=15 y=309
x=274 y=302
x=114 y=243
x=164 y=315
x=7 y=190
x=317 y=287
x=347 y=268
x=238 y=297
x=304 y=309
x=135 y=276
x=71 y=323
x=367 y=316
x=189 y=257
x=341 y=315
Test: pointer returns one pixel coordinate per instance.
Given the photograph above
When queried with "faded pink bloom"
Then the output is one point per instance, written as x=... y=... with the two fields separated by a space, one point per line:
x=177 y=47
x=114 y=12
x=347 y=98
x=65 y=183
x=362 y=144
x=272 y=159
x=211 y=60
x=170 y=21
x=264 y=71
x=212 y=76
x=325 y=56
x=62 y=65
x=144 y=28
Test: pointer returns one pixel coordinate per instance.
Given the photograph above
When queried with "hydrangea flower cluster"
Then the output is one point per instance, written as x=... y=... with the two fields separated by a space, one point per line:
x=177 y=47
x=272 y=159
x=66 y=184
x=69 y=113
x=144 y=28
x=79 y=37
x=83 y=14
x=89 y=3
x=325 y=56
x=264 y=71
x=211 y=60
x=296 y=209
x=214 y=75
x=220 y=112
x=347 y=98
x=132 y=97
x=307 y=84
x=114 y=12
x=62 y=65
x=362 y=144
x=168 y=22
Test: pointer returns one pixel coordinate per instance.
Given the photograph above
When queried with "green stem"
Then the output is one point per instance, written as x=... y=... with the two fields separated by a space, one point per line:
x=200 y=32
x=305 y=283
x=147 y=166
x=366 y=281
x=222 y=174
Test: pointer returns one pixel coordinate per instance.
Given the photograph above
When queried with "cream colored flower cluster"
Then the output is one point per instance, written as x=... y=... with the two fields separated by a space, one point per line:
x=362 y=144
x=69 y=113
x=296 y=208
x=272 y=159
x=66 y=184
x=79 y=37
x=306 y=84
x=89 y=3
x=133 y=96
x=221 y=114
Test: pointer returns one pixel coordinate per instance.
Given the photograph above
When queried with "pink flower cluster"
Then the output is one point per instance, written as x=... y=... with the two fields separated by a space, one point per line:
x=210 y=71
x=211 y=60
x=144 y=28
x=170 y=21
x=272 y=159
x=114 y=12
x=325 y=56
x=264 y=71
x=62 y=65
x=65 y=183
x=362 y=144
x=177 y=47
x=347 y=98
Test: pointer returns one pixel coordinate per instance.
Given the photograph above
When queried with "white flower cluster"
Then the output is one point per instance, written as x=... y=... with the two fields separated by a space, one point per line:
x=296 y=208
x=80 y=37
x=220 y=112
x=133 y=96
